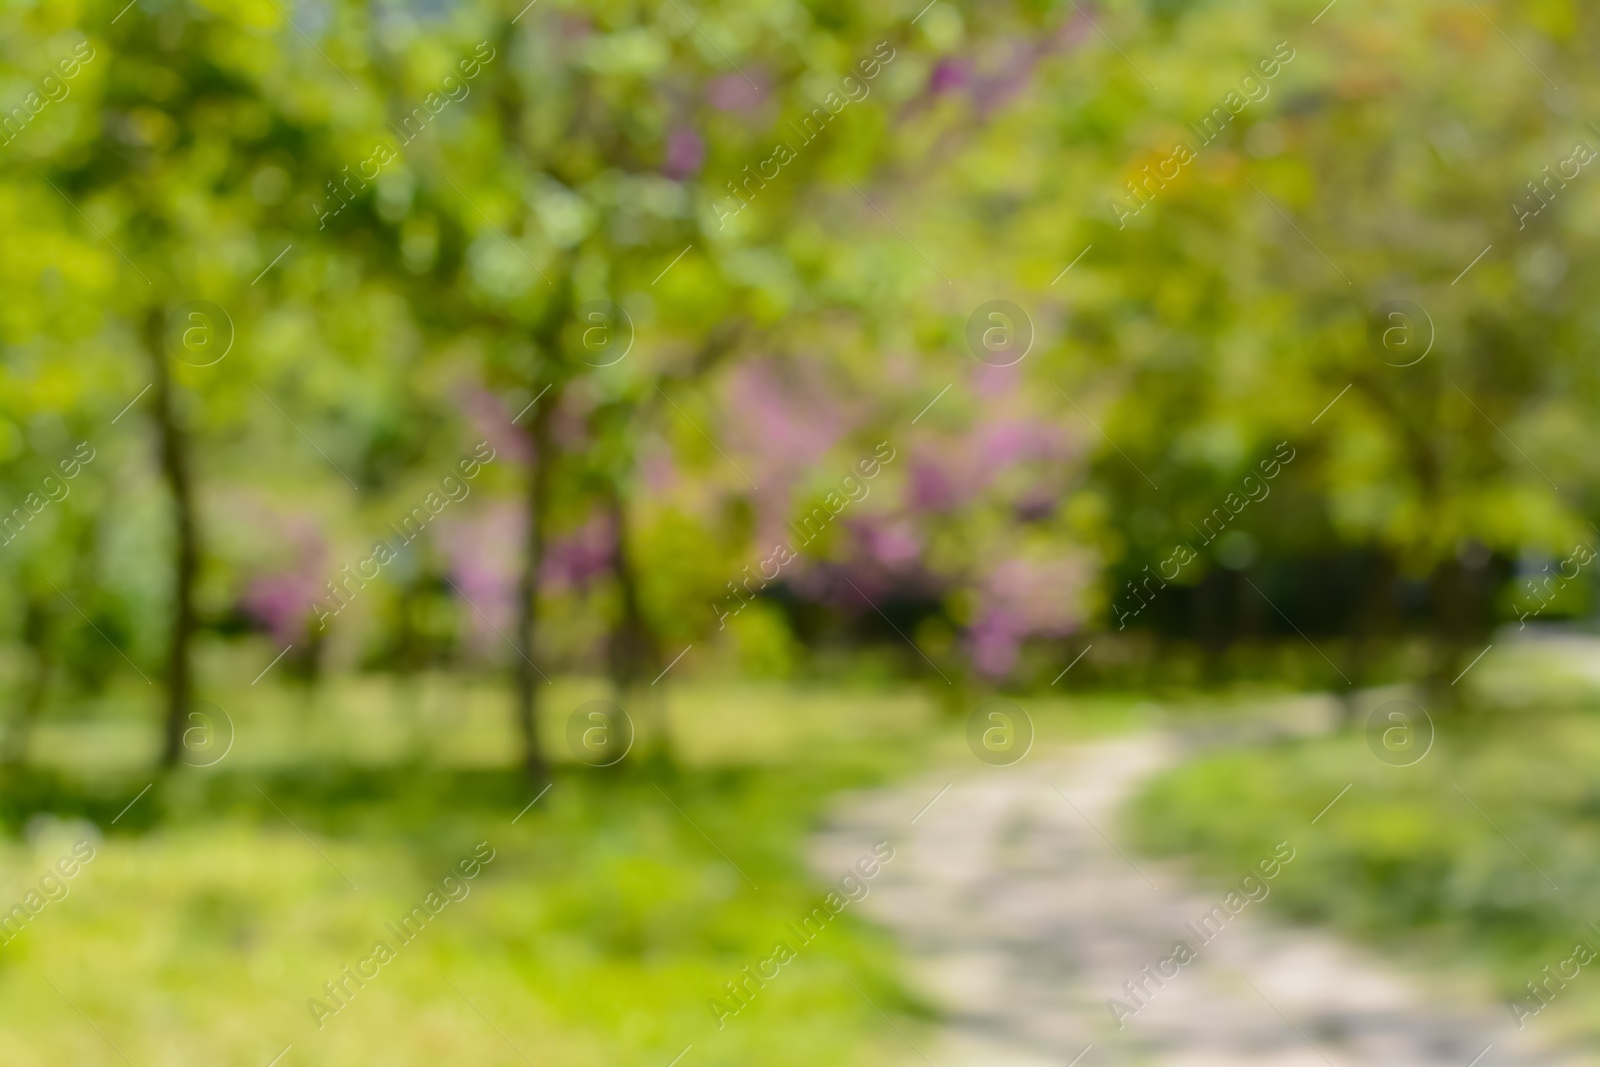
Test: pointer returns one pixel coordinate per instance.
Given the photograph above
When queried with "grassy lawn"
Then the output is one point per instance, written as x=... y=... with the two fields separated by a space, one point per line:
x=224 y=898
x=219 y=904
x=1481 y=861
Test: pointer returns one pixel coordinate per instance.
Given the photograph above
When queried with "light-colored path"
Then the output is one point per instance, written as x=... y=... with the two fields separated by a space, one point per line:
x=1020 y=918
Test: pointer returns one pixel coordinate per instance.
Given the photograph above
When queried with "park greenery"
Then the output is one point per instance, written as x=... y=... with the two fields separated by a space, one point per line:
x=381 y=381
x=435 y=229
x=1474 y=864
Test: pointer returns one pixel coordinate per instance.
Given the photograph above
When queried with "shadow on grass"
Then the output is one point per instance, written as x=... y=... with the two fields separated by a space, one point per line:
x=342 y=799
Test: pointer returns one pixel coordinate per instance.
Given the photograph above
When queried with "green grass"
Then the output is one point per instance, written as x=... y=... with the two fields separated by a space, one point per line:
x=219 y=903
x=1404 y=860
x=598 y=934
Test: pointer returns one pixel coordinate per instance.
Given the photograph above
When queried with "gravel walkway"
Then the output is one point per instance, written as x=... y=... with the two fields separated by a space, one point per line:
x=1021 y=919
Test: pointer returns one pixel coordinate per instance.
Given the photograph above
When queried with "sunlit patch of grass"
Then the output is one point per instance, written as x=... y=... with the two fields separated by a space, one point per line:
x=1454 y=861
x=219 y=904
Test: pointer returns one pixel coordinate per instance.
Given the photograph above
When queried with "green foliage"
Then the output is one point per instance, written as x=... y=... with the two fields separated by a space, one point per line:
x=1456 y=859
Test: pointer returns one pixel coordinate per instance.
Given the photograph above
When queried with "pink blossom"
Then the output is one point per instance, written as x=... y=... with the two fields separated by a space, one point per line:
x=732 y=92
x=1074 y=31
x=944 y=474
x=993 y=642
x=281 y=600
x=991 y=93
x=686 y=152
x=991 y=381
x=948 y=76
x=492 y=422
x=1002 y=444
x=484 y=553
x=1023 y=598
x=894 y=545
x=782 y=423
x=1016 y=440
x=933 y=487
x=657 y=469
x=573 y=560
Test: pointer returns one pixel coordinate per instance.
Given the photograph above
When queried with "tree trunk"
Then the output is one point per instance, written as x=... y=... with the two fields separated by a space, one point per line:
x=635 y=652
x=1372 y=628
x=540 y=474
x=1210 y=625
x=186 y=547
x=1451 y=627
x=36 y=633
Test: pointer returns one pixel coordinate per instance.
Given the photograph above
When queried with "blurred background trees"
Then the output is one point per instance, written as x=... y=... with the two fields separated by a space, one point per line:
x=388 y=380
x=557 y=229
